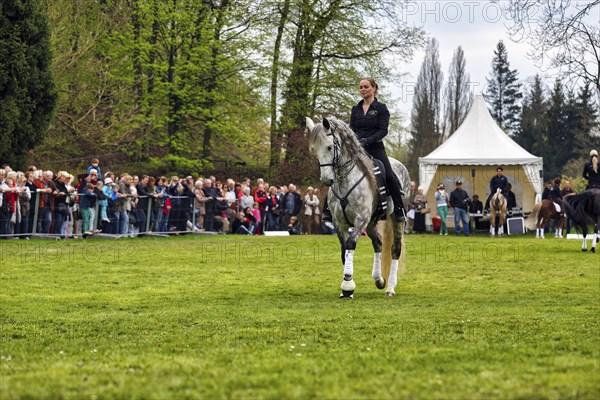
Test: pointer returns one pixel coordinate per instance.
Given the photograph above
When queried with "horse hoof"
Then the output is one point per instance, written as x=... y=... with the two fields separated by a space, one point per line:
x=593 y=250
x=390 y=293
x=380 y=283
x=583 y=249
x=347 y=294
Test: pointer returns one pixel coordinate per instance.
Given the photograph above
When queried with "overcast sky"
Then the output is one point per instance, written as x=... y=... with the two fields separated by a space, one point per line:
x=477 y=26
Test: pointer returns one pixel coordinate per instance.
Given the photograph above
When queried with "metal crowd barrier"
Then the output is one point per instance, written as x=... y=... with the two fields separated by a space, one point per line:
x=180 y=220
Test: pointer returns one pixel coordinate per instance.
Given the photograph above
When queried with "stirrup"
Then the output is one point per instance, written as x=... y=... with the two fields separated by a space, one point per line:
x=400 y=215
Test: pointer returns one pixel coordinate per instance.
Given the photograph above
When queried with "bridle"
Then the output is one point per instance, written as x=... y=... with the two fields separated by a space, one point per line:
x=341 y=172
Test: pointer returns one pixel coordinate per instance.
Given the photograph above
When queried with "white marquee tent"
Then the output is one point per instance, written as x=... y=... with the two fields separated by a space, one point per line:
x=472 y=154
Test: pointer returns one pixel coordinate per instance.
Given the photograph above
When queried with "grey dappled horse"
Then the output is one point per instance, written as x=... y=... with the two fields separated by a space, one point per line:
x=353 y=200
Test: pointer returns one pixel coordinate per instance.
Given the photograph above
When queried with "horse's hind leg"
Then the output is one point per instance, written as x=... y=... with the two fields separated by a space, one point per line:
x=396 y=254
x=541 y=227
x=376 y=241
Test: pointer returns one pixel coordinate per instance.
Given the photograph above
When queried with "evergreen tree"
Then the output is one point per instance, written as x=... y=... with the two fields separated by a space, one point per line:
x=586 y=129
x=458 y=96
x=425 y=115
x=532 y=131
x=559 y=137
x=504 y=91
x=27 y=93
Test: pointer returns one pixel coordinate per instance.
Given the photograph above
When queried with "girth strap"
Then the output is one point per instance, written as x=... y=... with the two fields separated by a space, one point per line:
x=344 y=200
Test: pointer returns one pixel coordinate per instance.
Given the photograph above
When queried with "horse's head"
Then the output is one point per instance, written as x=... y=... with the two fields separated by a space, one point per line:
x=324 y=145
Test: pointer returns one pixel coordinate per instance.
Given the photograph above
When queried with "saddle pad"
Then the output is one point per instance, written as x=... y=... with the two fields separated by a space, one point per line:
x=557 y=206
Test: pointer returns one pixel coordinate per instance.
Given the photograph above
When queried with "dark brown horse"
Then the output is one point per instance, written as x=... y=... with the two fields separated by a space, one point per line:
x=584 y=211
x=542 y=213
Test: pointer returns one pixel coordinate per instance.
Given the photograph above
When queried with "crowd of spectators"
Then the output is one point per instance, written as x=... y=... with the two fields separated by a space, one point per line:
x=66 y=205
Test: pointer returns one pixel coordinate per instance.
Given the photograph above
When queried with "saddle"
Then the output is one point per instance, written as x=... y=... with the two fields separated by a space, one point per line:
x=379 y=172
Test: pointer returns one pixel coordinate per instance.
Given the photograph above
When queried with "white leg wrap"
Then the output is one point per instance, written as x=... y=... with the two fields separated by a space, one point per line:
x=594 y=239
x=349 y=264
x=584 y=244
x=393 y=275
x=376 y=266
x=348 y=286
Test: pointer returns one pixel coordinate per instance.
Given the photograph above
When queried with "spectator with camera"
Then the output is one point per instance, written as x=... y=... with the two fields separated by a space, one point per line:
x=240 y=225
x=180 y=192
x=251 y=219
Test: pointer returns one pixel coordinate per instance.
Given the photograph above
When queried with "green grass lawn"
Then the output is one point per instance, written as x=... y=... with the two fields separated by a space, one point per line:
x=259 y=317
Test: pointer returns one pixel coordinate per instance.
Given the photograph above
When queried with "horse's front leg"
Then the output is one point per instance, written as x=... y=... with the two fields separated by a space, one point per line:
x=348 y=284
x=377 y=248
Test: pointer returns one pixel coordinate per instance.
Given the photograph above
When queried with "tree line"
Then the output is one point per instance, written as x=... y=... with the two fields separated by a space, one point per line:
x=198 y=85
x=188 y=85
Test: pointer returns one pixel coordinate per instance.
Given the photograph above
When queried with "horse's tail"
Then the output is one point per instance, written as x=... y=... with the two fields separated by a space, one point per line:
x=387 y=239
x=531 y=220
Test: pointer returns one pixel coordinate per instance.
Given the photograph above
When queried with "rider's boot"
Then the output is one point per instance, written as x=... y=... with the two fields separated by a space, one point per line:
x=396 y=192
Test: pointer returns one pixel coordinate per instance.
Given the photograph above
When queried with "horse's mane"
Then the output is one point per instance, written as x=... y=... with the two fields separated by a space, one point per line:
x=351 y=147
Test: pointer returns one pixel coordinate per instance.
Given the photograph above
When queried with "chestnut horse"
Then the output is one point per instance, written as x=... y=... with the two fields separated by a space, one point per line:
x=542 y=213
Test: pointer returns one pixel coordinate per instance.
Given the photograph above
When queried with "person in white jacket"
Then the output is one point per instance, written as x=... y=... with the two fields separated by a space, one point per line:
x=311 y=210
